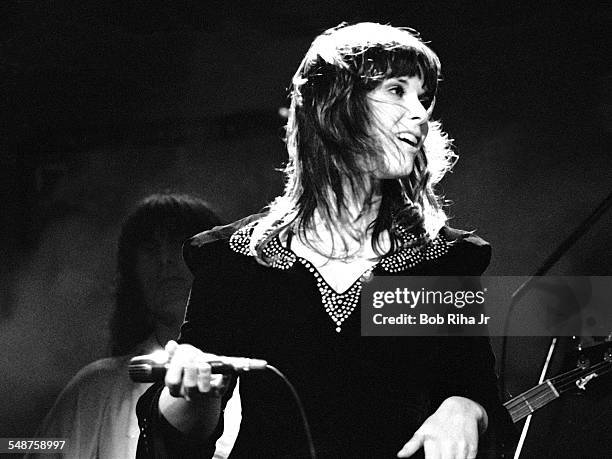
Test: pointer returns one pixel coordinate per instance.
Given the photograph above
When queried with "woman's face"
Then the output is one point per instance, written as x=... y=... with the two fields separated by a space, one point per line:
x=165 y=281
x=399 y=120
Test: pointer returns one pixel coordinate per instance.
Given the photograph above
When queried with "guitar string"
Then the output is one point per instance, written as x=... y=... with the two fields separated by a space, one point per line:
x=572 y=381
x=601 y=369
x=520 y=399
x=558 y=382
x=522 y=407
x=569 y=377
x=523 y=410
x=520 y=404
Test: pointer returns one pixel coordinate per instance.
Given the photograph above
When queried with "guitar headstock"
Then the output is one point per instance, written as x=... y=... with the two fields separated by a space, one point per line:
x=592 y=349
x=594 y=359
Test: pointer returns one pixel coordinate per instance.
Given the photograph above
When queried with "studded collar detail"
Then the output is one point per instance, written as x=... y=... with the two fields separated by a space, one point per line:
x=405 y=258
x=339 y=306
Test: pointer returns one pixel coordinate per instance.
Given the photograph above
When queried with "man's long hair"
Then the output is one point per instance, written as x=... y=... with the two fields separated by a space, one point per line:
x=175 y=217
x=329 y=136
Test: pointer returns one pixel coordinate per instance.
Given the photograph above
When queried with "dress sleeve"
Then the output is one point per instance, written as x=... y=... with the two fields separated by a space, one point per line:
x=212 y=322
x=468 y=370
x=466 y=365
x=160 y=440
x=207 y=326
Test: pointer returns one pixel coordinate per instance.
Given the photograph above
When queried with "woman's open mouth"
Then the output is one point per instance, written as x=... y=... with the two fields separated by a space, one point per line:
x=408 y=138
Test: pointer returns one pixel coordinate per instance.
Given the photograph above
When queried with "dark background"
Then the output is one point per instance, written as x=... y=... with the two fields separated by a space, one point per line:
x=106 y=101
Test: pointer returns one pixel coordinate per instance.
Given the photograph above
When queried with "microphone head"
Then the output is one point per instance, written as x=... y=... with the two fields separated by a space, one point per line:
x=149 y=368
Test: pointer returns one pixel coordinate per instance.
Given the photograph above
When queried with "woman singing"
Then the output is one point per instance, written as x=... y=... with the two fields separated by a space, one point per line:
x=359 y=200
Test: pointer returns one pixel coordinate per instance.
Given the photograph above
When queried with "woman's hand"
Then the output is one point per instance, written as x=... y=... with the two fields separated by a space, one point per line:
x=191 y=400
x=189 y=374
x=451 y=432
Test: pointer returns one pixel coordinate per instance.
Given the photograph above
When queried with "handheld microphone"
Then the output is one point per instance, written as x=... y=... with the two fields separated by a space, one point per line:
x=152 y=367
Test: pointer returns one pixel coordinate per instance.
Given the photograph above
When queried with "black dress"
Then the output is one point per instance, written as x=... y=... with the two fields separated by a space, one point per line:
x=363 y=396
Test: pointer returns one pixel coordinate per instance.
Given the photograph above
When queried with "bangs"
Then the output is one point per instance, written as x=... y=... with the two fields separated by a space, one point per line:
x=361 y=56
x=168 y=217
x=167 y=226
x=382 y=62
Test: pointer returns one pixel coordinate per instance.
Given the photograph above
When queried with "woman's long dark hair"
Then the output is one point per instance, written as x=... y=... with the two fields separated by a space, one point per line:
x=329 y=135
x=175 y=217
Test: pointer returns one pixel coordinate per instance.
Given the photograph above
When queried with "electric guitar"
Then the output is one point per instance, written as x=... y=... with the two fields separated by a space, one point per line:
x=535 y=398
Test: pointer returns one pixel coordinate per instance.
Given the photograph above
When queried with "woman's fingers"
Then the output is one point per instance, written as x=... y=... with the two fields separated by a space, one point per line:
x=412 y=446
x=450 y=433
x=190 y=382
x=204 y=378
x=170 y=348
x=174 y=376
x=189 y=373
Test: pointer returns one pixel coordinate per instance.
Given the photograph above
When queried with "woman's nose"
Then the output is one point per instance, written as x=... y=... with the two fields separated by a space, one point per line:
x=415 y=111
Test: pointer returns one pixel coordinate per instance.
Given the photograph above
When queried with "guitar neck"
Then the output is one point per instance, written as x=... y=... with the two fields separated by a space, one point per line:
x=526 y=403
x=535 y=398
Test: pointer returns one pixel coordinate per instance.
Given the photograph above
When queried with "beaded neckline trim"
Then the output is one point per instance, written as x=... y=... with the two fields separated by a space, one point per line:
x=339 y=306
x=405 y=258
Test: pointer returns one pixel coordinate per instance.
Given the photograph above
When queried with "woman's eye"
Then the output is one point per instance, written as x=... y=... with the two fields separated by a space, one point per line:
x=397 y=90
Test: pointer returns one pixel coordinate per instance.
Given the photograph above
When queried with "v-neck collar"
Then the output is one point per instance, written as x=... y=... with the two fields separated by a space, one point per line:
x=407 y=257
x=339 y=306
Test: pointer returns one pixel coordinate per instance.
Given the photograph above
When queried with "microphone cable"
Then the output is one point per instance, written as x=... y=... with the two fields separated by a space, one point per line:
x=298 y=402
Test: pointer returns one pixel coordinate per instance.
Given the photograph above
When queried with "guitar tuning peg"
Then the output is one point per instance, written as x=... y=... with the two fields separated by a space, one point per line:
x=583 y=362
